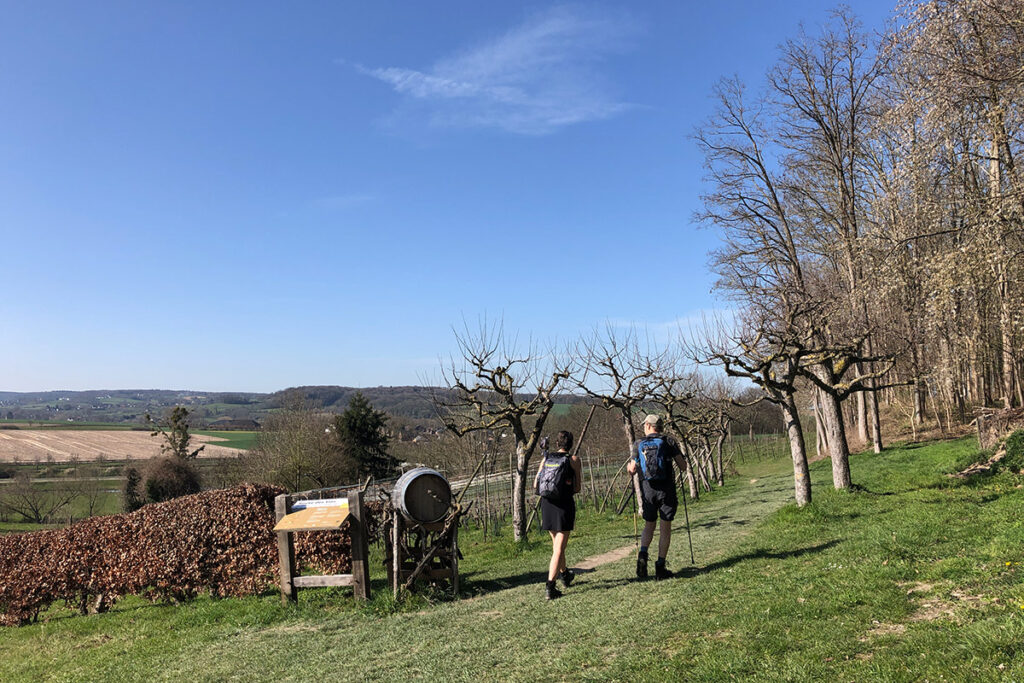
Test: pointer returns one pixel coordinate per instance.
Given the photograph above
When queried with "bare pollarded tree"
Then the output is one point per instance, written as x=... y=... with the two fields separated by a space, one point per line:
x=495 y=384
x=672 y=390
x=826 y=97
x=713 y=407
x=613 y=367
x=763 y=264
x=768 y=353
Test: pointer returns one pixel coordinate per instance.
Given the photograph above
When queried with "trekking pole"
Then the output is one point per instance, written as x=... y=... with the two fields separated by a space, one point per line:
x=636 y=491
x=686 y=514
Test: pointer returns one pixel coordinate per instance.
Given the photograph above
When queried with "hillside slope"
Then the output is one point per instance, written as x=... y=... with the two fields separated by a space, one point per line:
x=914 y=577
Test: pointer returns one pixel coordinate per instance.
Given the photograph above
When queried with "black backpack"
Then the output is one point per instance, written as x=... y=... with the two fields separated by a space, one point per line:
x=650 y=453
x=554 y=475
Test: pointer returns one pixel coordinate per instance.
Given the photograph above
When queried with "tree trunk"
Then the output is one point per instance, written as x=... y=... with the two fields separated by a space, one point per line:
x=918 y=403
x=709 y=462
x=875 y=422
x=821 y=441
x=519 y=493
x=691 y=478
x=1006 y=330
x=871 y=397
x=701 y=474
x=861 y=411
x=801 y=475
x=839 y=450
x=721 y=459
x=627 y=426
x=919 y=388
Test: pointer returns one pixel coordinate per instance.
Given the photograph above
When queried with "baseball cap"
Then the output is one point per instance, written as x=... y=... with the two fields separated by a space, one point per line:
x=653 y=420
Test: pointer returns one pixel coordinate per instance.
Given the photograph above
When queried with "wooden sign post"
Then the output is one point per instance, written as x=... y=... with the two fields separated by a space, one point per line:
x=295 y=513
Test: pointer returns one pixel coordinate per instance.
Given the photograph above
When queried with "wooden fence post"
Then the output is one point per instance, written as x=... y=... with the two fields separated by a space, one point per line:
x=360 y=545
x=286 y=552
x=396 y=540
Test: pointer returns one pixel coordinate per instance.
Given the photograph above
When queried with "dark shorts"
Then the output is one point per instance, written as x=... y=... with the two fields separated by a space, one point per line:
x=557 y=515
x=658 y=502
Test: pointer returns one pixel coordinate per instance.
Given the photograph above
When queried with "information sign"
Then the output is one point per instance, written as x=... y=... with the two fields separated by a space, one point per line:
x=315 y=517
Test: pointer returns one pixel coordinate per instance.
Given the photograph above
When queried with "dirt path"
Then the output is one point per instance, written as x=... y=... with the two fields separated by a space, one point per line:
x=715 y=524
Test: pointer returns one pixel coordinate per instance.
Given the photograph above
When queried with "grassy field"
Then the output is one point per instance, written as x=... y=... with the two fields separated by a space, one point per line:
x=916 y=576
x=234 y=439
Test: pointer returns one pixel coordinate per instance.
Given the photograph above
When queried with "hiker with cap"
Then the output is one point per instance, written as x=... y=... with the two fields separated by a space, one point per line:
x=651 y=460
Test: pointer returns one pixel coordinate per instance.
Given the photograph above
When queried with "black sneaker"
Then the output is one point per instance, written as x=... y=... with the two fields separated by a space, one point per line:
x=641 y=567
x=567 y=577
x=552 y=593
x=661 y=571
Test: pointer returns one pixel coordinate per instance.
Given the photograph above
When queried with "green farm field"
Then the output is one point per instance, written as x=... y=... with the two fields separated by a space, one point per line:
x=231 y=439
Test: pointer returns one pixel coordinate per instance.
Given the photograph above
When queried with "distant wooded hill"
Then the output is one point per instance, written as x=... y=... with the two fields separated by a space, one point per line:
x=129 y=406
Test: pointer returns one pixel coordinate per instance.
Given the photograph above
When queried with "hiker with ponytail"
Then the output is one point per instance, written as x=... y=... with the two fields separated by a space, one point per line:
x=559 y=478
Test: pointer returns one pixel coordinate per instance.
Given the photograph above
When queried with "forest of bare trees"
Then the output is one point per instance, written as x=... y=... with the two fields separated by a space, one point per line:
x=869 y=204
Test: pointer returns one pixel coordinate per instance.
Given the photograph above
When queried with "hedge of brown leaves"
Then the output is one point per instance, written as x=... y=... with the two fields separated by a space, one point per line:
x=221 y=542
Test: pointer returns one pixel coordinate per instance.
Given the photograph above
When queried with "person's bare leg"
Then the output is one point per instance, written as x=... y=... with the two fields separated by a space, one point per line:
x=660 y=570
x=647 y=535
x=562 y=566
x=664 y=538
x=558 y=541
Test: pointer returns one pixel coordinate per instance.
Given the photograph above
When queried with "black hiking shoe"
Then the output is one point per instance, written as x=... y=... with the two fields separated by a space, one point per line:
x=661 y=571
x=641 y=567
x=550 y=592
x=567 y=577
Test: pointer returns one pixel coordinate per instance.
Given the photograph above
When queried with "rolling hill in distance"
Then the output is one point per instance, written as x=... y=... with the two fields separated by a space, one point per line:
x=131 y=405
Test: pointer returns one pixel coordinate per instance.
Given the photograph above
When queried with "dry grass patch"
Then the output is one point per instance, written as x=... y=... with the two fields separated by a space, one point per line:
x=880 y=630
x=930 y=611
x=916 y=587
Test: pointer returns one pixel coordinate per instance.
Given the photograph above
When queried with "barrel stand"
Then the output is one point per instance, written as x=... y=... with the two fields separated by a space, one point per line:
x=423 y=551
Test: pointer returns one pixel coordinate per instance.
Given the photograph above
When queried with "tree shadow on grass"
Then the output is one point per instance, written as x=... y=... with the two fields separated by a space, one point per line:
x=857 y=488
x=689 y=572
x=479 y=586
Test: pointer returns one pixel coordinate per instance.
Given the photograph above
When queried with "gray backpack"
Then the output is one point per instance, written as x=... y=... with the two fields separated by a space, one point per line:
x=554 y=475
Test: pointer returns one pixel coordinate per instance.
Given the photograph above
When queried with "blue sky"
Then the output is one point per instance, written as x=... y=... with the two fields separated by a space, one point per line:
x=246 y=196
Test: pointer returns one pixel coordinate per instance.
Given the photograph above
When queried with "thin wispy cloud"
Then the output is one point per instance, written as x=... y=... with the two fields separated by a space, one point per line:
x=686 y=327
x=538 y=77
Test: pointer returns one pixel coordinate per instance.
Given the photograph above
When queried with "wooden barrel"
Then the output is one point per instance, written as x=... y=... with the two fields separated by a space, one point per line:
x=422 y=495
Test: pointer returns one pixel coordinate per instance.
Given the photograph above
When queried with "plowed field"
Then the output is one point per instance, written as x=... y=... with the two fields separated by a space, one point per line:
x=28 y=445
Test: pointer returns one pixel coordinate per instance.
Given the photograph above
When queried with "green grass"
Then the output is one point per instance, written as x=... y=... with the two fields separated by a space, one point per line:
x=233 y=439
x=913 y=577
x=19 y=527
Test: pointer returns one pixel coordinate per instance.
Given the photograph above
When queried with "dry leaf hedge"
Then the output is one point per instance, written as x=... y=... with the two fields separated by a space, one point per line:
x=218 y=542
